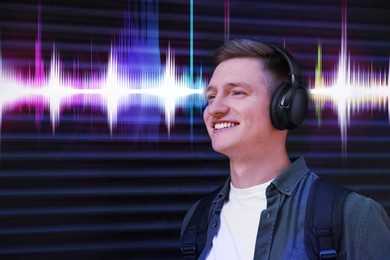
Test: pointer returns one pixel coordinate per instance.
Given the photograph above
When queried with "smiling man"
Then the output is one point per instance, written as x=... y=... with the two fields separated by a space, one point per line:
x=254 y=96
x=238 y=122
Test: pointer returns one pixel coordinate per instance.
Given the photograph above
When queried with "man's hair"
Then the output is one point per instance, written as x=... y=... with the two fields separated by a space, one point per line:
x=272 y=60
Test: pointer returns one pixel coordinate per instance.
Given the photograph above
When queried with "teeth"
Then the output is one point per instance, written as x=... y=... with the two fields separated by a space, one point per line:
x=223 y=125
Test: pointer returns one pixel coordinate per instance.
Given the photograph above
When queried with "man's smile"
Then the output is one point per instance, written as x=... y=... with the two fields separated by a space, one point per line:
x=223 y=125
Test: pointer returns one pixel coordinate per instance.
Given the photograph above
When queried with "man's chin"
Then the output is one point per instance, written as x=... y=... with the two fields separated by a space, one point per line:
x=222 y=148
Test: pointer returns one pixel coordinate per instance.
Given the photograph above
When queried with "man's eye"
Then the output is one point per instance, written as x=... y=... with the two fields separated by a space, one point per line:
x=210 y=97
x=238 y=93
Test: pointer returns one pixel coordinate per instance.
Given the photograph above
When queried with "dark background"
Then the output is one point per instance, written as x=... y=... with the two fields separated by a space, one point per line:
x=83 y=193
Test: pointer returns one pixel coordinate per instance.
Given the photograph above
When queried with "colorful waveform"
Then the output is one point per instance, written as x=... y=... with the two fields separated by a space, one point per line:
x=349 y=88
x=134 y=76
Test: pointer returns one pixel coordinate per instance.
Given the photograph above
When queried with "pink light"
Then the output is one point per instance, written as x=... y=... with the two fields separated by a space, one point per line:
x=227 y=19
x=113 y=86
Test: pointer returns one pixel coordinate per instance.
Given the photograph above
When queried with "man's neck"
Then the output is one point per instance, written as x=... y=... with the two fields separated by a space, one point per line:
x=247 y=171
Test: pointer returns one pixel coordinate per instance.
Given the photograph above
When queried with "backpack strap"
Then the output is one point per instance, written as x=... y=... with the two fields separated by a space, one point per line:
x=195 y=234
x=324 y=219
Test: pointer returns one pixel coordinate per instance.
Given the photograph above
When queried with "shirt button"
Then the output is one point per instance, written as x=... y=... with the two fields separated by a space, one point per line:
x=213 y=224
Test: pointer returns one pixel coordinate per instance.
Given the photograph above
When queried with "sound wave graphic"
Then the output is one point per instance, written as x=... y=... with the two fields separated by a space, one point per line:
x=349 y=89
x=133 y=76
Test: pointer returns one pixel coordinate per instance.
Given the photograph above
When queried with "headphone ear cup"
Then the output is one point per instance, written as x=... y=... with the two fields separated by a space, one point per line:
x=298 y=104
x=288 y=107
x=277 y=117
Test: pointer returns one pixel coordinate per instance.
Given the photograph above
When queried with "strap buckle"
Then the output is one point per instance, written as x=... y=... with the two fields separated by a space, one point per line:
x=328 y=254
x=188 y=250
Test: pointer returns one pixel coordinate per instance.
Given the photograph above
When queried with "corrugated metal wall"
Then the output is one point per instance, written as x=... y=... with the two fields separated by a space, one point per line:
x=82 y=193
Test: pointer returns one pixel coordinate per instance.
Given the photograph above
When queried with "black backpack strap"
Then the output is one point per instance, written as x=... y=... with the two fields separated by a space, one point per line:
x=324 y=220
x=195 y=234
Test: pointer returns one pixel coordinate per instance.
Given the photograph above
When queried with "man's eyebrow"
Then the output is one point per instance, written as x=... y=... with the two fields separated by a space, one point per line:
x=209 y=88
x=238 y=84
x=229 y=84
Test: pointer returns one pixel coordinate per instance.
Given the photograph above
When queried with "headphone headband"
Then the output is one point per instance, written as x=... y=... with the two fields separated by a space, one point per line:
x=295 y=72
x=290 y=100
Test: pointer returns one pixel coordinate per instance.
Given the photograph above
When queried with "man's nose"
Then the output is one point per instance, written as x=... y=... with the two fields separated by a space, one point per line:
x=218 y=107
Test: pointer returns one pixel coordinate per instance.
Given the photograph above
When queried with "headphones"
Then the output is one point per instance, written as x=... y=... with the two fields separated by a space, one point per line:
x=290 y=100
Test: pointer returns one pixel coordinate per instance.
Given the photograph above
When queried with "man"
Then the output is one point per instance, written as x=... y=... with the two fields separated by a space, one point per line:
x=260 y=211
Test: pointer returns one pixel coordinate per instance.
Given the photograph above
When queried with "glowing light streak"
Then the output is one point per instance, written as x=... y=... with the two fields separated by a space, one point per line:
x=227 y=19
x=134 y=75
x=111 y=89
x=191 y=39
x=349 y=89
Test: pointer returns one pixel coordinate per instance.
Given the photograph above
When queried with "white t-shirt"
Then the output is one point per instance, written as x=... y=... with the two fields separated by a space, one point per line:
x=240 y=217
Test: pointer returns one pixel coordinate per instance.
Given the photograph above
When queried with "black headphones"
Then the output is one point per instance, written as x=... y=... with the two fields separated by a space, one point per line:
x=290 y=100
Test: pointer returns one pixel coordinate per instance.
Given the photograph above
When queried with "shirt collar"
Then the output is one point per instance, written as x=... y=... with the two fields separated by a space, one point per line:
x=286 y=182
x=290 y=177
x=222 y=195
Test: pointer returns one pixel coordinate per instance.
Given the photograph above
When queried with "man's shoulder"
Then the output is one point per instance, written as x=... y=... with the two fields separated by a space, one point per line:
x=357 y=204
x=366 y=228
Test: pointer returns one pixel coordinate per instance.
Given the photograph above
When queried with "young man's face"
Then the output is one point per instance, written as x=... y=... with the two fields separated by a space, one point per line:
x=237 y=117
